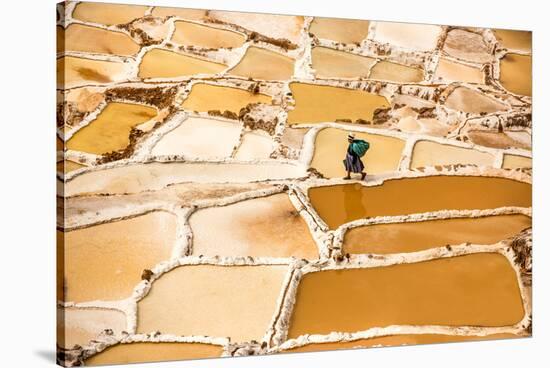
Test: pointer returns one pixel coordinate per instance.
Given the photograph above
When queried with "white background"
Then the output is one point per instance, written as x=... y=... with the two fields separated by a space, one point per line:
x=27 y=120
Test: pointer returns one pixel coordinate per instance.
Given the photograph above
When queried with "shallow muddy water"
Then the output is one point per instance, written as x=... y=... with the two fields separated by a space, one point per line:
x=111 y=129
x=79 y=37
x=259 y=63
x=68 y=166
x=393 y=72
x=79 y=326
x=153 y=352
x=340 y=30
x=75 y=71
x=468 y=100
x=448 y=72
x=515 y=162
x=218 y=301
x=516 y=74
x=156 y=175
x=514 y=40
x=105 y=261
x=329 y=63
x=261 y=227
x=108 y=13
x=193 y=34
x=193 y=138
x=331 y=145
x=397 y=340
x=205 y=97
x=338 y=204
x=427 y=153
x=317 y=103
x=417 y=236
x=478 y=289
x=158 y=63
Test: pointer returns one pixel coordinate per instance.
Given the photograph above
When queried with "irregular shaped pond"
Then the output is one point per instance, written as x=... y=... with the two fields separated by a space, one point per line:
x=219 y=301
x=262 y=227
x=478 y=289
x=338 y=204
x=416 y=236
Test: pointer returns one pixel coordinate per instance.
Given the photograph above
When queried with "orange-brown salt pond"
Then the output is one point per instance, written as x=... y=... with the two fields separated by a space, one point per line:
x=338 y=204
x=138 y=352
x=110 y=131
x=193 y=34
x=105 y=262
x=108 y=13
x=416 y=236
x=516 y=74
x=218 y=301
x=318 y=103
x=79 y=37
x=204 y=97
x=340 y=30
x=473 y=290
x=330 y=63
x=396 y=340
x=259 y=63
x=158 y=63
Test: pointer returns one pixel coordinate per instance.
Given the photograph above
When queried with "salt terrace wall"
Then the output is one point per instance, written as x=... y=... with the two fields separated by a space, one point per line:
x=168 y=113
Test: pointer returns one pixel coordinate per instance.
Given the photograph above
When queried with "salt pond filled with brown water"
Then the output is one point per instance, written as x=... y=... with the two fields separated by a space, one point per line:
x=514 y=162
x=79 y=37
x=193 y=34
x=338 y=204
x=317 y=103
x=393 y=72
x=340 y=30
x=479 y=289
x=330 y=63
x=261 y=227
x=75 y=71
x=158 y=63
x=515 y=73
x=202 y=300
x=111 y=129
x=259 y=63
x=331 y=145
x=397 y=340
x=205 y=97
x=514 y=40
x=105 y=261
x=108 y=13
x=153 y=352
x=416 y=236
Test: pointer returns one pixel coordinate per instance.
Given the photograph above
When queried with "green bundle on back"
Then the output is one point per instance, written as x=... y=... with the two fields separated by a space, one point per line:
x=360 y=147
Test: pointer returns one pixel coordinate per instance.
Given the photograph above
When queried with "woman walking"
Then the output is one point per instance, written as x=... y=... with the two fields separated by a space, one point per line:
x=356 y=149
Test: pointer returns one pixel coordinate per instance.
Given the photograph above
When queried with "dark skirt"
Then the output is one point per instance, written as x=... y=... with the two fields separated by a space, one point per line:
x=353 y=163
